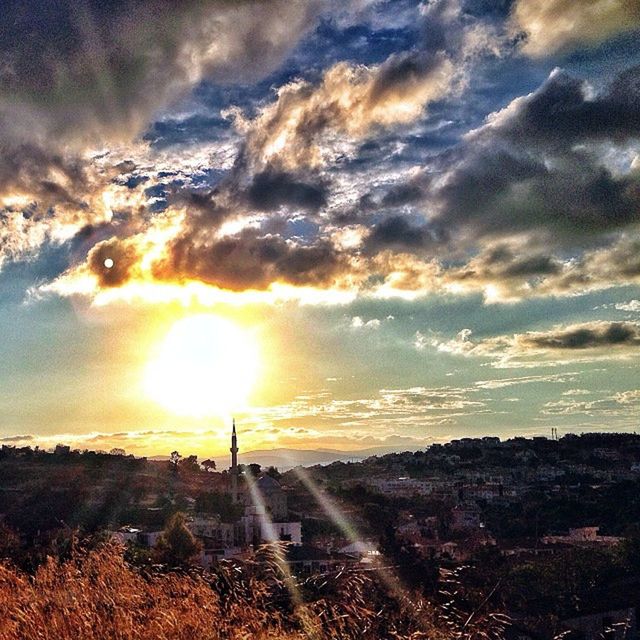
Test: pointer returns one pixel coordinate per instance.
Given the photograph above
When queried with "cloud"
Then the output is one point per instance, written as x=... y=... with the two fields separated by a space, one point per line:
x=502 y=383
x=312 y=123
x=621 y=404
x=358 y=323
x=533 y=185
x=509 y=271
x=113 y=262
x=407 y=407
x=397 y=232
x=460 y=345
x=106 y=67
x=51 y=197
x=585 y=336
x=19 y=438
x=529 y=204
x=598 y=340
x=81 y=77
x=249 y=260
x=554 y=25
x=297 y=129
x=631 y=305
x=530 y=169
x=543 y=199
x=270 y=190
x=579 y=115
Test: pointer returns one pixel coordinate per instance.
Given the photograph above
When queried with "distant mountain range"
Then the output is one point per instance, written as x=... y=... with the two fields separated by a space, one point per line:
x=285 y=459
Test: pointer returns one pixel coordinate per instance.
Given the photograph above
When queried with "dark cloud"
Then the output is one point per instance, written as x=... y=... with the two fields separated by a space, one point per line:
x=402 y=72
x=80 y=75
x=518 y=271
x=271 y=190
x=113 y=262
x=24 y=438
x=108 y=65
x=501 y=263
x=45 y=175
x=562 y=112
x=397 y=232
x=588 y=336
x=535 y=168
x=403 y=194
x=524 y=170
x=249 y=261
x=207 y=209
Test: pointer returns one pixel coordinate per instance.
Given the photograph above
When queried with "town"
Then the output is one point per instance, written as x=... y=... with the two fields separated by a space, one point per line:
x=522 y=513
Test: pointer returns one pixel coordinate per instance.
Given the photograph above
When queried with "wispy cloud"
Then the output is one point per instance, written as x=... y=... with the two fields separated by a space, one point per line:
x=599 y=340
x=552 y=25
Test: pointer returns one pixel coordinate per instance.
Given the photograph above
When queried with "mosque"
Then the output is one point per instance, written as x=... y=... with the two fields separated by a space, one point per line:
x=264 y=516
x=273 y=496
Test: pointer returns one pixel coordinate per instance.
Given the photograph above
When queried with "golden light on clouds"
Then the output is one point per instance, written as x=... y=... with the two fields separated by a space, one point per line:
x=204 y=366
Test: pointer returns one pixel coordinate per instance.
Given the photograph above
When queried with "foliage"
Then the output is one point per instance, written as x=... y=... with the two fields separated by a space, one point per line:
x=177 y=546
x=274 y=473
x=209 y=465
x=219 y=503
x=97 y=595
x=189 y=464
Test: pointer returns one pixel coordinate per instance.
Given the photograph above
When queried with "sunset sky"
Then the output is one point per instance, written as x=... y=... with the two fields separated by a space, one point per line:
x=350 y=223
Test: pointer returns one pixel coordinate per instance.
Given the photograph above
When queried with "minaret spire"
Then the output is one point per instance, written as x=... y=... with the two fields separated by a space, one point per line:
x=234 y=463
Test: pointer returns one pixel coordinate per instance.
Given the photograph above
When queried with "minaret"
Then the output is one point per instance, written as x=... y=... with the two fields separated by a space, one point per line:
x=234 y=464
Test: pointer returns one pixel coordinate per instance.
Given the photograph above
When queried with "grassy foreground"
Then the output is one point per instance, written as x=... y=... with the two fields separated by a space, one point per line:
x=97 y=595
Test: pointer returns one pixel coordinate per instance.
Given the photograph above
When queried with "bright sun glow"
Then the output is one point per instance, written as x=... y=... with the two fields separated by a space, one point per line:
x=205 y=366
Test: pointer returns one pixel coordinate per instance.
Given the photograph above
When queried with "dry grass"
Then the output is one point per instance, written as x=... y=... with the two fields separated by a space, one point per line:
x=96 y=595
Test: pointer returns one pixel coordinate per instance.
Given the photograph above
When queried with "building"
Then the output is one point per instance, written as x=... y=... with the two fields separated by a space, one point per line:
x=274 y=497
x=260 y=523
x=404 y=487
x=307 y=559
x=234 y=464
x=466 y=516
x=582 y=536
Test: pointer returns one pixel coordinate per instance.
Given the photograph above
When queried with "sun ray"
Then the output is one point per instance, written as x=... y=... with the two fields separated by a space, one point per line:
x=278 y=550
x=388 y=576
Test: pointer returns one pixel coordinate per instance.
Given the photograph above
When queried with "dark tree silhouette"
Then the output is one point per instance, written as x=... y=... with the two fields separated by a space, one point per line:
x=177 y=546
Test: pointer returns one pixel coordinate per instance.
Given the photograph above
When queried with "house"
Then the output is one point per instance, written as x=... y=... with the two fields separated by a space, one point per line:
x=365 y=551
x=274 y=497
x=308 y=559
x=465 y=516
x=403 y=486
x=582 y=536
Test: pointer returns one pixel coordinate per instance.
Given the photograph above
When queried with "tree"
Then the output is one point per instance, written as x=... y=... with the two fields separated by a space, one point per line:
x=177 y=546
x=116 y=451
x=274 y=473
x=253 y=469
x=189 y=464
x=209 y=465
x=174 y=459
x=220 y=504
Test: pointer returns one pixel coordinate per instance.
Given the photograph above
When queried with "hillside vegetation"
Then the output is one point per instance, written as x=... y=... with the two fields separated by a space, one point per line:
x=98 y=595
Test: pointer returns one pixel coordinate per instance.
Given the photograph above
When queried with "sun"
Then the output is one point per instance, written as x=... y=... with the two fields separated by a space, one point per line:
x=204 y=366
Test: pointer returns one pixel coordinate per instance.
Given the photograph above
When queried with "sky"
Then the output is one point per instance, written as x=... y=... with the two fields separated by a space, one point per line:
x=349 y=224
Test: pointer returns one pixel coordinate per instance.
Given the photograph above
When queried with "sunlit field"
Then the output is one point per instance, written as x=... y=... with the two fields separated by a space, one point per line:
x=97 y=595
